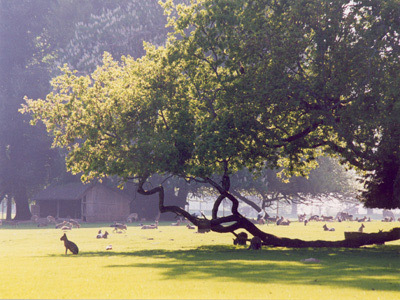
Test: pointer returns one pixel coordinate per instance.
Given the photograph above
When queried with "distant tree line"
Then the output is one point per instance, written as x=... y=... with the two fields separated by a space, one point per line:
x=38 y=36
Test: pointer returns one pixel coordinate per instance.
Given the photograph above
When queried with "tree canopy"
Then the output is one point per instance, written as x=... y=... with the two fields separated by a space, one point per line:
x=240 y=84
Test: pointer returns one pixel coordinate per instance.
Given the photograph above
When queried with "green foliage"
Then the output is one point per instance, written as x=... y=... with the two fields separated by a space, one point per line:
x=109 y=129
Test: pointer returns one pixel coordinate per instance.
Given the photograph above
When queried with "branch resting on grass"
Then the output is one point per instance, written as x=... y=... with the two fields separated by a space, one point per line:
x=236 y=221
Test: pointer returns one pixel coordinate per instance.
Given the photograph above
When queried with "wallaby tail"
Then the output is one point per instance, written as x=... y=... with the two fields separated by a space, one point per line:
x=73 y=247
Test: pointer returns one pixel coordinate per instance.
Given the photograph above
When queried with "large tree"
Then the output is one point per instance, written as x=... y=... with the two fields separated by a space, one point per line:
x=241 y=84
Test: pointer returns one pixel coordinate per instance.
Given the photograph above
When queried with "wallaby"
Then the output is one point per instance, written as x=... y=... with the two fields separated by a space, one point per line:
x=241 y=239
x=177 y=223
x=190 y=226
x=151 y=226
x=326 y=228
x=118 y=227
x=71 y=246
x=361 y=228
x=255 y=243
x=74 y=223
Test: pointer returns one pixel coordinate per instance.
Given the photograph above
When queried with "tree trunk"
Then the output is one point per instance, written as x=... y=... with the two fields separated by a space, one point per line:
x=294 y=208
x=22 y=205
x=9 y=208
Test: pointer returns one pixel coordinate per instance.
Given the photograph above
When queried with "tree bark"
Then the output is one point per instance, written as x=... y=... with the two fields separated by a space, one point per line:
x=22 y=205
x=9 y=208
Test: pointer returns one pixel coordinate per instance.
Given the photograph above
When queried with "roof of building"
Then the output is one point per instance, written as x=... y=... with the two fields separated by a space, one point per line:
x=69 y=191
x=73 y=191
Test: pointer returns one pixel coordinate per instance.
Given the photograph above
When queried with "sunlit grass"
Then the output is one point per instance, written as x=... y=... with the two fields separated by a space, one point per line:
x=176 y=263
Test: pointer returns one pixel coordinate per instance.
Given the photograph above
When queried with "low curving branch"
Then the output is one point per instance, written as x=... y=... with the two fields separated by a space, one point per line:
x=236 y=221
x=216 y=206
x=172 y=208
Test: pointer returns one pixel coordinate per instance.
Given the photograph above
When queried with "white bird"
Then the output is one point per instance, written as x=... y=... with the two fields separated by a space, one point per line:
x=109 y=247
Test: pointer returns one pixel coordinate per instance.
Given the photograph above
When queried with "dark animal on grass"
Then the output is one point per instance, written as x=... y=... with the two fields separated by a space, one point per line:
x=255 y=243
x=177 y=223
x=190 y=226
x=326 y=228
x=51 y=219
x=69 y=245
x=66 y=228
x=361 y=229
x=261 y=221
x=271 y=219
x=241 y=239
x=99 y=235
x=314 y=218
x=132 y=217
x=343 y=216
x=64 y=224
x=151 y=226
x=75 y=223
x=302 y=217
x=59 y=225
x=365 y=219
x=119 y=227
x=283 y=221
x=105 y=235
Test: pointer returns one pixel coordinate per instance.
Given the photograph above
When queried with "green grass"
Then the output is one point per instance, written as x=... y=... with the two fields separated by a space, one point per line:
x=176 y=263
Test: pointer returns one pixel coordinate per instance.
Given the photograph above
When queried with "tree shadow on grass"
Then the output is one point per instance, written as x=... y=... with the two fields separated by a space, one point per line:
x=374 y=268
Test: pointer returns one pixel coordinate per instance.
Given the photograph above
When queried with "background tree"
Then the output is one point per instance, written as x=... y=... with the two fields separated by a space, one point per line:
x=328 y=180
x=118 y=28
x=25 y=155
x=35 y=37
x=31 y=32
x=250 y=85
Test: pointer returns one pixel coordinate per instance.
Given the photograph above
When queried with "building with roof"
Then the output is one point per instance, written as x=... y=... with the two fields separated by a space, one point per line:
x=89 y=203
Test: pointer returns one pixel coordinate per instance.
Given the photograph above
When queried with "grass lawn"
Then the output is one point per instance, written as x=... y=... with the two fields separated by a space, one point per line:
x=176 y=263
